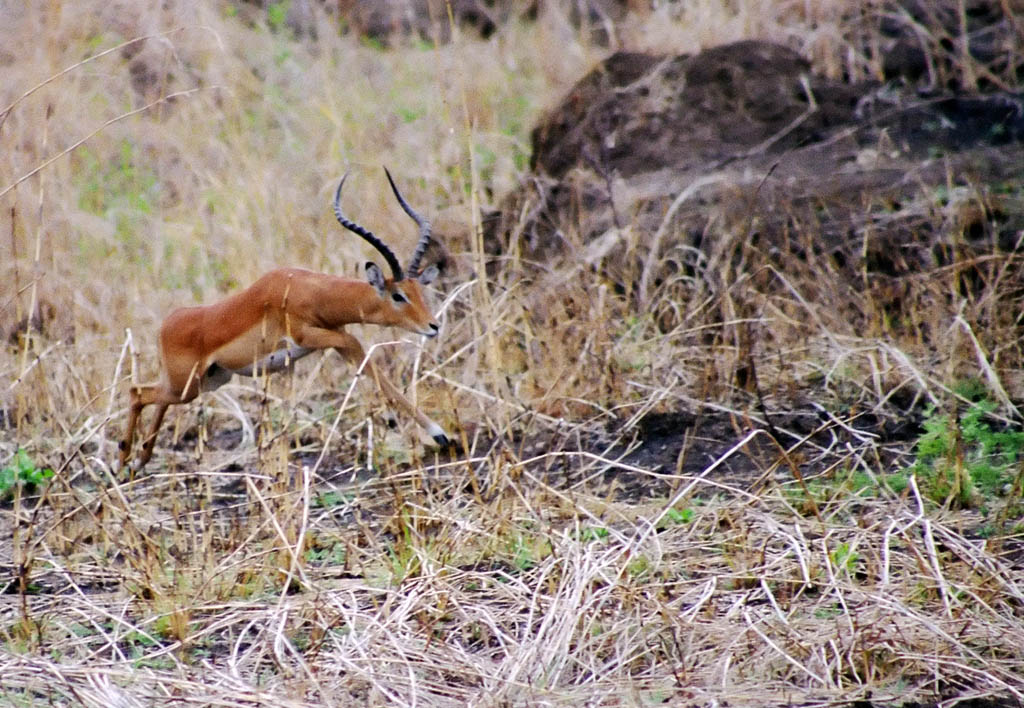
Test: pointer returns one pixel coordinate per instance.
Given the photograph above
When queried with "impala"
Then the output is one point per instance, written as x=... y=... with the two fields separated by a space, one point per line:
x=285 y=315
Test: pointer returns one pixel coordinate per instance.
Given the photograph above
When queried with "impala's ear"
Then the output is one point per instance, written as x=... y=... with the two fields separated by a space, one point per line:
x=428 y=275
x=375 y=277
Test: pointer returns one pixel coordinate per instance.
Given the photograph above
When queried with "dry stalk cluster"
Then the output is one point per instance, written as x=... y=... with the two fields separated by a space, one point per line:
x=285 y=548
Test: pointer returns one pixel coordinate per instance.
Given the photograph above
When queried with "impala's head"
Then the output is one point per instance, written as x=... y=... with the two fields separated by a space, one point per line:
x=403 y=302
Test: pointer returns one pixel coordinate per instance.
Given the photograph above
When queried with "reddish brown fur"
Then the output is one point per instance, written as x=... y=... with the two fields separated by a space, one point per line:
x=201 y=346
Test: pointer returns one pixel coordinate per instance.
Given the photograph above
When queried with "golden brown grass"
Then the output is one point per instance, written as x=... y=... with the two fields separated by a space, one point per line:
x=259 y=562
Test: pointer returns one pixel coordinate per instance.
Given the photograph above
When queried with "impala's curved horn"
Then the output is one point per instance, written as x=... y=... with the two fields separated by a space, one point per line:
x=425 y=237
x=389 y=256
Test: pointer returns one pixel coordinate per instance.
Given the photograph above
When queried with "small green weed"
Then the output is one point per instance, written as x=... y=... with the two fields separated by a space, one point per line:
x=963 y=461
x=593 y=533
x=331 y=499
x=333 y=555
x=527 y=550
x=679 y=516
x=22 y=471
x=639 y=567
x=373 y=43
x=844 y=558
x=865 y=485
x=522 y=553
x=277 y=15
x=404 y=563
x=410 y=115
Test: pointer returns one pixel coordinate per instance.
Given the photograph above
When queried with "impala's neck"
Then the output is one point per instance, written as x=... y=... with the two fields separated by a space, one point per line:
x=353 y=302
x=331 y=302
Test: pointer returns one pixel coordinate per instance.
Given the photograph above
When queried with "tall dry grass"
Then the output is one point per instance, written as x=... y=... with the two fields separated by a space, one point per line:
x=165 y=153
x=183 y=164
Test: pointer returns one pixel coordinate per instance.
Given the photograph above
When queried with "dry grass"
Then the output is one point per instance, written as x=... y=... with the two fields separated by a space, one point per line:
x=258 y=562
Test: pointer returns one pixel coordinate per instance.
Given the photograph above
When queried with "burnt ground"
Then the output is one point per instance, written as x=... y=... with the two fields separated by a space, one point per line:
x=645 y=461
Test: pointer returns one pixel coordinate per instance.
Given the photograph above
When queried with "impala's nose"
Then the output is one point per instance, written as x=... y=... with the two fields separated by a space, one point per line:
x=432 y=330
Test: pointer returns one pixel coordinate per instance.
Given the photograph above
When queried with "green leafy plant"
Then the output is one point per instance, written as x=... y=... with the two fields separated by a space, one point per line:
x=331 y=499
x=326 y=556
x=963 y=460
x=844 y=557
x=526 y=549
x=679 y=516
x=277 y=14
x=593 y=533
x=639 y=567
x=22 y=471
x=410 y=115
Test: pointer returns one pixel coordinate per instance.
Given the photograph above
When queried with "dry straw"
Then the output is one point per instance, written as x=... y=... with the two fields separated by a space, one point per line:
x=282 y=550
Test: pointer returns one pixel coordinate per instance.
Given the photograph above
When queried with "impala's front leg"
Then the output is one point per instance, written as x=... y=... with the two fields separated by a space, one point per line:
x=350 y=348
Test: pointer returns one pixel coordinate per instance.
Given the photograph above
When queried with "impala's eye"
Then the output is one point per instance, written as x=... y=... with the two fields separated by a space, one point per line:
x=399 y=298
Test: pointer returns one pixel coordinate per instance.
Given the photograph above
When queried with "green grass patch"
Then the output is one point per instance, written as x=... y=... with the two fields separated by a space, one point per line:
x=966 y=459
x=22 y=471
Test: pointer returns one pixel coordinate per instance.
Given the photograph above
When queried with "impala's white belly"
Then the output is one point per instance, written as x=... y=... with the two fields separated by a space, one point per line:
x=247 y=356
x=250 y=347
x=275 y=361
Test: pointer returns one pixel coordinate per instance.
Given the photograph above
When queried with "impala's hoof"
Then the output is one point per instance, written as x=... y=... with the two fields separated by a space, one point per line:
x=126 y=469
x=439 y=435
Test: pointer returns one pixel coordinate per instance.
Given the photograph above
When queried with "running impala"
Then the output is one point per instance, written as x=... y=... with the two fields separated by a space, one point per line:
x=282 y=317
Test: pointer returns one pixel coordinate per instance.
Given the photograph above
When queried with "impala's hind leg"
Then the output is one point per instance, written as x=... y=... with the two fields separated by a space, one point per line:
x=141 y=396
x=150 y=440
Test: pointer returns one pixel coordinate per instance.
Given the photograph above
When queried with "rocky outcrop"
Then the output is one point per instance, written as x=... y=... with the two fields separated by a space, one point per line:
x=669 y=151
